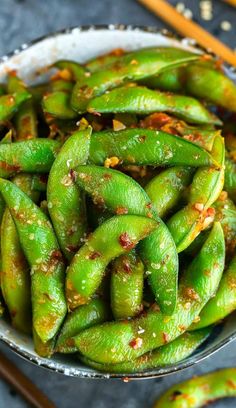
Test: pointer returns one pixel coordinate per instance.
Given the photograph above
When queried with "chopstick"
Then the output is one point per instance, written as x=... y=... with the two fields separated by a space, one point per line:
x=11 y=374
x=190 y=29
x=231 y=2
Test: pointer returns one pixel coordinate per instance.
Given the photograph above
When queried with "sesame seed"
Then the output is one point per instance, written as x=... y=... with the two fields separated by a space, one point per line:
x=180 y=7
x=226 y=25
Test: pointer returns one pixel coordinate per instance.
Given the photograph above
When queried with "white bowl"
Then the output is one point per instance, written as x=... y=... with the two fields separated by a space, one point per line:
x=81 y=44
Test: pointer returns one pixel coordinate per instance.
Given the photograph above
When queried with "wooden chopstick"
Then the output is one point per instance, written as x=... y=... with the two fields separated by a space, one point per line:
x=190 y=29
x=231 y=2
x=11 y=374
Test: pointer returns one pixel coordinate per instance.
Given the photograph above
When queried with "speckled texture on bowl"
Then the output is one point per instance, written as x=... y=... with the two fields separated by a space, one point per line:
x=82 y=43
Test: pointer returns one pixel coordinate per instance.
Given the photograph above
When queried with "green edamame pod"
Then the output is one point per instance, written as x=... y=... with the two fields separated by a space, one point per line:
x=15 y=279
x=170 y=80
x=127 y=281
x=120 y=194
x=230 y=178
x=224 y=301
x=166 y=189
x=113 y=238
x=117 y=342
x=146 y=147
x=10 y=103
x=57 y=104
x=76 y=70
x=42 y=252
x=206 y=187
x=66 y=203
x=200 y=79
x=198 y=391
x=143 y=101
x=83 y=317
x=113 y=190
x=130 y=67
x=208 y=83
x=30 y=156
x=171 y=353
x=26 y=122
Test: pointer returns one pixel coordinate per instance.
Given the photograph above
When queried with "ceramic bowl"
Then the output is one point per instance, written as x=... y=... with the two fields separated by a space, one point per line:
x=81 y=44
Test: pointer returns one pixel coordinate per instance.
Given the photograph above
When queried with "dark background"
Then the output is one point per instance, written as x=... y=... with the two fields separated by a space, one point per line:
x=20 y=22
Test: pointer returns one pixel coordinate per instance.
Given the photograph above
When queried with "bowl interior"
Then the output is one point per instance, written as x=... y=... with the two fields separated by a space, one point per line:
x=81 y=44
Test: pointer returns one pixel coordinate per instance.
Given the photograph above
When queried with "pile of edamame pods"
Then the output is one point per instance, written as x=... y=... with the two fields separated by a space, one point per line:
x=117 y=204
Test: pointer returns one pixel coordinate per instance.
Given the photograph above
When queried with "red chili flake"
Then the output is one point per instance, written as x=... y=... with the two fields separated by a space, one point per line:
x=165 y=337
x=136 y=343
x=191 y=294
x=107 y=176
x=72 y=175
x=125 y=241
x=72 y=248
x=231 y=384
x=126 y=265
x=142 y=139
x=94 y=255
x=149 y=205
x=210 y=212
x=56 y=254
x=121 y=210
x=9 y=167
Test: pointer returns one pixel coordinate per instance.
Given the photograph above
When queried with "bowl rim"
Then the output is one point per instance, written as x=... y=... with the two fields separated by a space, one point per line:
x=78 y=372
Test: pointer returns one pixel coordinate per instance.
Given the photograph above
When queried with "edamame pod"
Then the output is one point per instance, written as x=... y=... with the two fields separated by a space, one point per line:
x=113 y=238
x=117 y=342
x=120 y=194
x=10 y=103
x=200 y=79
x=166 y=189
x=223 y=303
x=127 y=281
x=143 y=101
x=171 y=353
x=66 y=203
x=206 y=187
x=57 y=104
x=84 y=316
x=42 y=252
x=30 y=156
x=15 y=278
x=146 y=147
x=130 y=67
x=198 y=391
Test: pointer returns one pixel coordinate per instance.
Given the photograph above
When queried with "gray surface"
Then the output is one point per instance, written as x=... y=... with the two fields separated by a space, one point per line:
x=21 y=21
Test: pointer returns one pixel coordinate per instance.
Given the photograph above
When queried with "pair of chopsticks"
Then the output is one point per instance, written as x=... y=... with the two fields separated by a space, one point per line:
x=190 y=29
x=16 y=379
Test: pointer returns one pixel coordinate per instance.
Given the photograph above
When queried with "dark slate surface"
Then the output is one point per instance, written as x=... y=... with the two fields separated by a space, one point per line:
x=22 y=21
